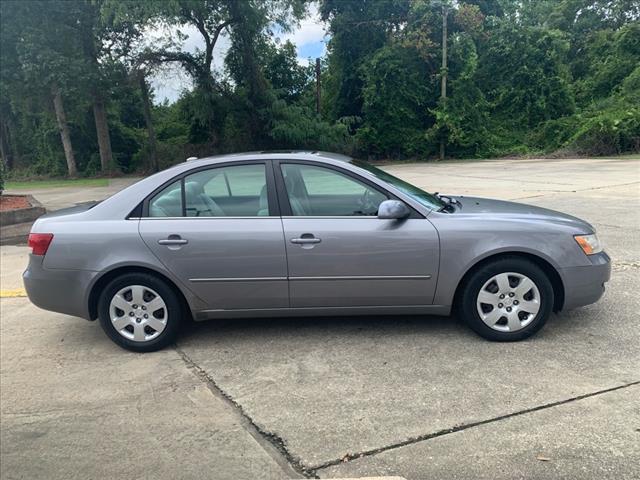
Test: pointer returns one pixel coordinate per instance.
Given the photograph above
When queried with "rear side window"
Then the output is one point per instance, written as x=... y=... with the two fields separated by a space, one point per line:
x=232 y=191
x=167 y=203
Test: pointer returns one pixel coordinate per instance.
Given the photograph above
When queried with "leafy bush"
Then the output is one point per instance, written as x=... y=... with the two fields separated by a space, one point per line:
x=554 y=134
x=609 y=133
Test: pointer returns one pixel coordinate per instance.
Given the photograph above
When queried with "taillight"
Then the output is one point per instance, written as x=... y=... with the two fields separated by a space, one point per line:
x=39 y=242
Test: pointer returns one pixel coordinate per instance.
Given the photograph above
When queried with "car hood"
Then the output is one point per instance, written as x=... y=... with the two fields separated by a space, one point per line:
x=502 y=209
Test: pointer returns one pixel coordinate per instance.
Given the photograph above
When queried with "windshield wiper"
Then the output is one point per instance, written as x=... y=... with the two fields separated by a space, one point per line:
x=449 y=203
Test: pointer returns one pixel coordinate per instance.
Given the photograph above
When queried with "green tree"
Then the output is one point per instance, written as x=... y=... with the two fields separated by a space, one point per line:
x=287 y=77
x=358 y=28
x=44 y=64
x=397 y=96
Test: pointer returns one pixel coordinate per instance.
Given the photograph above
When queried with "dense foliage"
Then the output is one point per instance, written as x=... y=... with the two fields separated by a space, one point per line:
x=523 y=76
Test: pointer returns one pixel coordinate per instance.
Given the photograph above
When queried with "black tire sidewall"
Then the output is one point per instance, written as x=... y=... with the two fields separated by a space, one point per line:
x=482 y=275
x=170 y=298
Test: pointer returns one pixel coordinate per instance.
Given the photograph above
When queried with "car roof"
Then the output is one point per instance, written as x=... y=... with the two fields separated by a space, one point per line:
x=275 y=155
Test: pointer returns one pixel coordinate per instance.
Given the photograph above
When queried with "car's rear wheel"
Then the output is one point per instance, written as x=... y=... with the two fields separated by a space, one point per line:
x=508 y=299
x=139 y=312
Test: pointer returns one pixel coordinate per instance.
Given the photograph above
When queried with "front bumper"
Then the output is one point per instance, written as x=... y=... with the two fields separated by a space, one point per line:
x=585 y=285
x=62 y=291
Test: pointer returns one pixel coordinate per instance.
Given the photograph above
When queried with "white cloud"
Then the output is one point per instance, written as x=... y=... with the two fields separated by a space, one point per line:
x=310 y=30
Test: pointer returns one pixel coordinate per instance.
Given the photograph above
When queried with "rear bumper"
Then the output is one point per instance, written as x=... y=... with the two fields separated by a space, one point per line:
x=62 y=291
x=585 y=285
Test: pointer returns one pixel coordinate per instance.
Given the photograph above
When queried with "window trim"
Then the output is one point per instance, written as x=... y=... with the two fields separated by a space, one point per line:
x=285 y=206
x=274 y=210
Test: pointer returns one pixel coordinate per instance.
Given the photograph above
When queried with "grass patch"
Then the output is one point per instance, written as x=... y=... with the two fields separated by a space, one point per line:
x=631 y=156
x=76 y=182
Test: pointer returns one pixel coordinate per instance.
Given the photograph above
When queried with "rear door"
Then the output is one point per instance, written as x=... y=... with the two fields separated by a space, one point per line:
x=218 y=229
x=340 y=254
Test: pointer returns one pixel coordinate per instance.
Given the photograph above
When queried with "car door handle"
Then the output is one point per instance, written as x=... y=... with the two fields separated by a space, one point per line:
x=173 y=240
x=304 y=240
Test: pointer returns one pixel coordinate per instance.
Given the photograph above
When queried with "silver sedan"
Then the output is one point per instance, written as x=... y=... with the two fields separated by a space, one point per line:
x=306 y=233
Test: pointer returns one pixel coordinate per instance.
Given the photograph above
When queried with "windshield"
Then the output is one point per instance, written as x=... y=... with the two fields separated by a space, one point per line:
x=424 y=198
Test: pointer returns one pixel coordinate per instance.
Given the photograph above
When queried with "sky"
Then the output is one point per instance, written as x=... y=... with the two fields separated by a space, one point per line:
x=308 y=37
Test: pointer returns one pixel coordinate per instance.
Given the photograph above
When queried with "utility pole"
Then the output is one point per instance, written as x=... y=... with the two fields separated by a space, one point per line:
x=443 y=71
x=318 y=86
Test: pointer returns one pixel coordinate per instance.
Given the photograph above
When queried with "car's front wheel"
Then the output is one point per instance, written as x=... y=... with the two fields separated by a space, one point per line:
x=508 y=299
x=139 y=312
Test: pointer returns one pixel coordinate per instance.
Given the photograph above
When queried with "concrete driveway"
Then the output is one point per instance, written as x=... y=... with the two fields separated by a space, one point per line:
x=347 y=397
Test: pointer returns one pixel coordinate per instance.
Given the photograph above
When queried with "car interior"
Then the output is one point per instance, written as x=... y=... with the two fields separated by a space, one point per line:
x=216 y=193
x=317 y=191
x=241 y=191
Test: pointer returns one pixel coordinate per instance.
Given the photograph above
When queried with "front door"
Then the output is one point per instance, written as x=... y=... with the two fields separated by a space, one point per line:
x=341 y=255
x=218 y=231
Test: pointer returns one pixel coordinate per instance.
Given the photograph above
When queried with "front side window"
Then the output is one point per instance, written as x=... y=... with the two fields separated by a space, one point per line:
x=320 y=191
x=233 y=191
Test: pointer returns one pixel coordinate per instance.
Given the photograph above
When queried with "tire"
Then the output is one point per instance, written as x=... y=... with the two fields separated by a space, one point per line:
x=503 y=285
x=152 y=324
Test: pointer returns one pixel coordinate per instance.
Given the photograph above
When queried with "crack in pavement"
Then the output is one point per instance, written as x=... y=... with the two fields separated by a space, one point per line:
x=458 y=428
x=621 y=266
x=543 y=182
x=607 y=186
x=273 y=444
x=276 y=447
x=589 y=189
x=618 y=227
x=554 y=192
x=507 y=179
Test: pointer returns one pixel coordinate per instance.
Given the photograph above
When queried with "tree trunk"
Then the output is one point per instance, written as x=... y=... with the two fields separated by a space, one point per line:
x=151 y=132
x=5 y=145
x=13 y=144
x=87 y=28
x=102 y=131
x=64 y=131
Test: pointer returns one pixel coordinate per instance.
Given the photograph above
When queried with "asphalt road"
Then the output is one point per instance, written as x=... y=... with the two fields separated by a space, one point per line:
x=346 y=397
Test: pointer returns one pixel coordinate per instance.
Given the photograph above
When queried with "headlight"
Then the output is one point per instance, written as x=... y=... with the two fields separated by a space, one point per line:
x=589 y=243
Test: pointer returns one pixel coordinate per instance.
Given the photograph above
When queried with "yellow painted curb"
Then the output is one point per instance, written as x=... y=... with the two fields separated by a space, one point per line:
x=16 y=292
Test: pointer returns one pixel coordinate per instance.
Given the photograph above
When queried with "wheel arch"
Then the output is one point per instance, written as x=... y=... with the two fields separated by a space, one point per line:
x=104 y=279
x=546 y=266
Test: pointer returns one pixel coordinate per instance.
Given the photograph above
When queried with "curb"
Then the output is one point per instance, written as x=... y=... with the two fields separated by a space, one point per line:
x=15 y=225
x=15 y=234
x=23 y=215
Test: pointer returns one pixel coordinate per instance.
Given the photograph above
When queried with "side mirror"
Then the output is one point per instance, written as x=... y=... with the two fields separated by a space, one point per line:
x=393 y=210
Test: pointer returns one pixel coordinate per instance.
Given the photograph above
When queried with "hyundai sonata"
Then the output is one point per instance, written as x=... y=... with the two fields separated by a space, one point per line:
x=271 y=234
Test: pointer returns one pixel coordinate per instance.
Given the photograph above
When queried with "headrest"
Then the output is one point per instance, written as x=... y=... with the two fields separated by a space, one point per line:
x=193 y=189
